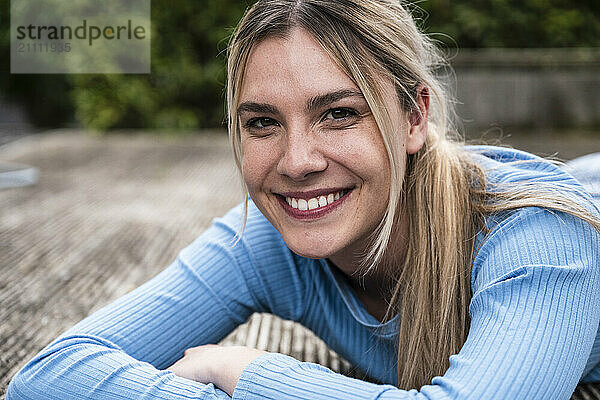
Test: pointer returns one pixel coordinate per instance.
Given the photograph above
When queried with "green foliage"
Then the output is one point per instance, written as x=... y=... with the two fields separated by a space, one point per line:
x=513 y=23
x=186 y=87
x=45 y=97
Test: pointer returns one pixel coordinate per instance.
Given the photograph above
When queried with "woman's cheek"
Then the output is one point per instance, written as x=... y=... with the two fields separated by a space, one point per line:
x=256 y=163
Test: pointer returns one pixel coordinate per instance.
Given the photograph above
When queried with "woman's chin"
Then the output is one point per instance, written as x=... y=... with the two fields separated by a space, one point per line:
x=312 y=251
x=315 y=255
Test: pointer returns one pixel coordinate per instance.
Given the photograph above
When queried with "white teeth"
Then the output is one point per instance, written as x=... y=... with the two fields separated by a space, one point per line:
x=315 y=202
x=322 y=201
x=302 y=205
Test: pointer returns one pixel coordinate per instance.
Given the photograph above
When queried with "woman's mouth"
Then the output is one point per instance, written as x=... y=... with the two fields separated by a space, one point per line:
x=301 y=206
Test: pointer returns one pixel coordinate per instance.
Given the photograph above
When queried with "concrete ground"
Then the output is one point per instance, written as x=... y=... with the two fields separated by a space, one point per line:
x=108 y=213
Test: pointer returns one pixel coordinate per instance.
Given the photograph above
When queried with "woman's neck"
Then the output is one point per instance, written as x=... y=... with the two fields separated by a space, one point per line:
x=373 y=291
x=349 y=259
x=375 y=287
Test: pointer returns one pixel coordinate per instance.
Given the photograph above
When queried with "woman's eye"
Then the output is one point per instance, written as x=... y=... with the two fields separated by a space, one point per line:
x=340 y=113
x=260 y=123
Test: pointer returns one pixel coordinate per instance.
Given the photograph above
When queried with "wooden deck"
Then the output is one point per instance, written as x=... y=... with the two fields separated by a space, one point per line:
x=106 y=215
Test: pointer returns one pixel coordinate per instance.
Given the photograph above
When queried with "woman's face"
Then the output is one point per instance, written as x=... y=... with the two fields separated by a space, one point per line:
x=313 y=159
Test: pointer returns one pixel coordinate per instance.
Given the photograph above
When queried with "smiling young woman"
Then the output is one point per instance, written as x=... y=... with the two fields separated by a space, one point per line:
x=317 y=142
x=463 y=272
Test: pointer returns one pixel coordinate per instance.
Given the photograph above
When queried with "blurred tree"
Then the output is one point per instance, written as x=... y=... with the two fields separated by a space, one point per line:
x=46 y=98
x=186 y=87
x=513 y=23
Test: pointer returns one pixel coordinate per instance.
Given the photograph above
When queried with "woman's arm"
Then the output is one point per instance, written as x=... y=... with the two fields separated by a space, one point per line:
x=535 y=314
x=120 y=351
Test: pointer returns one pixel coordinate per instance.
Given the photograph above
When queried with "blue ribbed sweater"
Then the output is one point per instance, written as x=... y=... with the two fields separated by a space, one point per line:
x=534 y=312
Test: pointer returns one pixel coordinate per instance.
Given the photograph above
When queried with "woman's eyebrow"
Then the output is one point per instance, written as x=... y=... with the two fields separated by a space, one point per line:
x=320 y=101
x=260 y=108
x=314 y=103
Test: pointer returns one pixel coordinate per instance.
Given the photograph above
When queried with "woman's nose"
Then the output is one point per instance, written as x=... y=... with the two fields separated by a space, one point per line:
x=302 y=157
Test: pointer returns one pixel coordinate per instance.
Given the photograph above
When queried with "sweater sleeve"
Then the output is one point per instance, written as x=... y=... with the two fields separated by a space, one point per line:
x=120 y=351
x=534 y=312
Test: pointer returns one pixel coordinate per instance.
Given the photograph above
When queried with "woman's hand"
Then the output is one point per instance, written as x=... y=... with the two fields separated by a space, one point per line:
x=219 y=365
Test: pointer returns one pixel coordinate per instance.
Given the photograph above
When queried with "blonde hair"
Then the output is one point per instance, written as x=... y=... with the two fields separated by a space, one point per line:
x=442 y=187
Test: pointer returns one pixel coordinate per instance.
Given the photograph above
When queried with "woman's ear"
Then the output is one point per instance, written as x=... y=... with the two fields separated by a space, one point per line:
x=417 y=132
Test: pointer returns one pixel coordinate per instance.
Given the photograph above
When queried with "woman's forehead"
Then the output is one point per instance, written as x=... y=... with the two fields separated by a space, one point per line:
x=294 y=66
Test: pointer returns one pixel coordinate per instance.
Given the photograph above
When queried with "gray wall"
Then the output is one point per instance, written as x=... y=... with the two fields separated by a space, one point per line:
x=537 y=88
